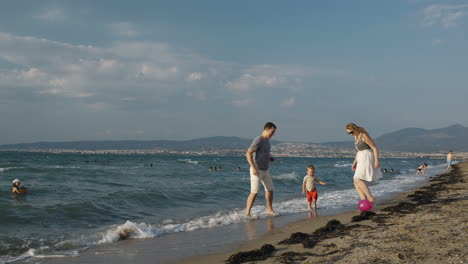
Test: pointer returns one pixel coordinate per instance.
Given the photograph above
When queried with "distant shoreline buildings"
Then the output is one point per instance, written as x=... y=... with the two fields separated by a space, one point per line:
x=306 y=150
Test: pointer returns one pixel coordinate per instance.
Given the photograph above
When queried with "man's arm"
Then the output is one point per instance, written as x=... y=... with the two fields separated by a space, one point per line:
x=249 y=156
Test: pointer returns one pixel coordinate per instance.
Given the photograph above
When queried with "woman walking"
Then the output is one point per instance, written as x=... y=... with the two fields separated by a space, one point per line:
x=366 y=164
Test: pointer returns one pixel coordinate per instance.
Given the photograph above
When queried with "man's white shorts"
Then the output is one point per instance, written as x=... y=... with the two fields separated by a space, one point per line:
x=264 y=177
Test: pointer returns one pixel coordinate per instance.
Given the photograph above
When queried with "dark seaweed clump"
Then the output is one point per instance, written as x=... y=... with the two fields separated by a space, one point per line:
x=365 y=215
x=254 y=255
x=333 y=228
x=426 y=195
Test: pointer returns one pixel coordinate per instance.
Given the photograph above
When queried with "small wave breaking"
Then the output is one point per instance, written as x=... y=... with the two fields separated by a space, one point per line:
x=189 y=161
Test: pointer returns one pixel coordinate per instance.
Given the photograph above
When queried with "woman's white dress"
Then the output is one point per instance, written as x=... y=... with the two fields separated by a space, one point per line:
x=365 y=169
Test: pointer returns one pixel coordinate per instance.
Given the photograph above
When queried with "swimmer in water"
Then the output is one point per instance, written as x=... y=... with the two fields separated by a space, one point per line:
x=16 y=187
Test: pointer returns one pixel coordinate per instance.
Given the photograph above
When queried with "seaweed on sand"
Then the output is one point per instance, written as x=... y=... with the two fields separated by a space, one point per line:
x=365 y=215
x=333 y=228
x=254 y=255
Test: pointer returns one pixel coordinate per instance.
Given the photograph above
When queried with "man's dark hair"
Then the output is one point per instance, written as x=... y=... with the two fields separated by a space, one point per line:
x=269 y=125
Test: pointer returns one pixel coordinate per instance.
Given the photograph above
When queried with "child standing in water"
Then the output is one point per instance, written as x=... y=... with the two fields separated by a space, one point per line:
x=421 y=169
x=308 y=187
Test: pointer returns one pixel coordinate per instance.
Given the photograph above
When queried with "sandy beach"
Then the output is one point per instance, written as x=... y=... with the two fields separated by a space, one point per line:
x=427 y=225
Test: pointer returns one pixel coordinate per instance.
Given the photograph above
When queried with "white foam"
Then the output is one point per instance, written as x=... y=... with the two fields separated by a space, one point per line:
x=341 y=164
x=10 y=168
x=133 y=230
x=292 y=176
x=190 y=161
x=34 y=253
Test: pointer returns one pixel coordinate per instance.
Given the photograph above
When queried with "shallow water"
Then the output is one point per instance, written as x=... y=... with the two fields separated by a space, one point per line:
x=78 y=201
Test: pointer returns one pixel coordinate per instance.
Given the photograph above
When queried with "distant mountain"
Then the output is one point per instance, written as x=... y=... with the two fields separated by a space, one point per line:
x=454 y=138
x=210 y=143
x=405 y=140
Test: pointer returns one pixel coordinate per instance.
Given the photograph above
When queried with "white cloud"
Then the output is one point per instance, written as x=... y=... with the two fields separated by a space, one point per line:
x=52 y=14
x=155 y=72
x=445 y=15
x=242 y=102
x=195 y=76
x=266 y=76
x=61 y=69
x=289 y=102
x=130 y=73
x=248 y=81
x=277 y=76
x=98 y=107
x=125 y=29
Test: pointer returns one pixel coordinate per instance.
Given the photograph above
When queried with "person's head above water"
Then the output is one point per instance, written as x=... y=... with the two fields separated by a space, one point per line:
x=16 y=182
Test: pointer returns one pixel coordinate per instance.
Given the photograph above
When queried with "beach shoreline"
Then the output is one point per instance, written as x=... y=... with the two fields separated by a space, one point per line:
x=206 y=251
x=426 y=225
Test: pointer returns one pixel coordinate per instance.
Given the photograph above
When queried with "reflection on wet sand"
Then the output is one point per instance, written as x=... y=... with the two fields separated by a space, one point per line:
x=252 y=230
x=313 y=213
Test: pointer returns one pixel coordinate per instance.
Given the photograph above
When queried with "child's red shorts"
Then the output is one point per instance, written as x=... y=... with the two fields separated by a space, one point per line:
x=312 y=195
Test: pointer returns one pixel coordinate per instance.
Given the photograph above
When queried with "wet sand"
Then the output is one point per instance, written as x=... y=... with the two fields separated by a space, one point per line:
x=427 y=225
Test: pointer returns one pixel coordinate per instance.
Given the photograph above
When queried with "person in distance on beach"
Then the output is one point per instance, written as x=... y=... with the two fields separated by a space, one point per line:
x=258 y=156
x=17 y=187
x=308 y=187
x=366 y=164
x=421 y=169
x=450 y=159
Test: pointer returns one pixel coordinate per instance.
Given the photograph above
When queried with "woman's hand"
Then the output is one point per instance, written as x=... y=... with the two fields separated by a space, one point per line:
x=376 y=164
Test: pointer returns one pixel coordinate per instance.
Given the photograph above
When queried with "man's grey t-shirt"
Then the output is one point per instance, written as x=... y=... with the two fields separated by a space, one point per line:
x=261 y=156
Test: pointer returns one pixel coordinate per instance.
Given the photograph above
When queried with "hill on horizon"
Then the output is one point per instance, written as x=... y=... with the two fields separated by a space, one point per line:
x=454 y=138
x=200 y=144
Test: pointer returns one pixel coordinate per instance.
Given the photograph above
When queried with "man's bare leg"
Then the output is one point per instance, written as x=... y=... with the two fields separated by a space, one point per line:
x=250 y=201
x=269 y=202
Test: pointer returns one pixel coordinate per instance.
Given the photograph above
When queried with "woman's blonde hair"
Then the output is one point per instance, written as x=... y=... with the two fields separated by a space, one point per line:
x=355 y=127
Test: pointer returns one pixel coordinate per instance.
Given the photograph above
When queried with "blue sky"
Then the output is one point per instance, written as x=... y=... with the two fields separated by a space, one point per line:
x=106 y=70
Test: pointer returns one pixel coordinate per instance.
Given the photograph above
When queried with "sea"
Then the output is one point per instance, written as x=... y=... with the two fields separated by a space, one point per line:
x=79 y=201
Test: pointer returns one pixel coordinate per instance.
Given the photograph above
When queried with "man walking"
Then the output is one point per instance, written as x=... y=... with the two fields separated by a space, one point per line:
x=450 y=159
x=258 y=156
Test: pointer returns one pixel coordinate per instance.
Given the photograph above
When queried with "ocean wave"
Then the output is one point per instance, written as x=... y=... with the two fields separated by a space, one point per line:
x=292 y=176
x=10 y=168
x=340 y=164
x=126 y=231
x=39 y=254
x=190 y=161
